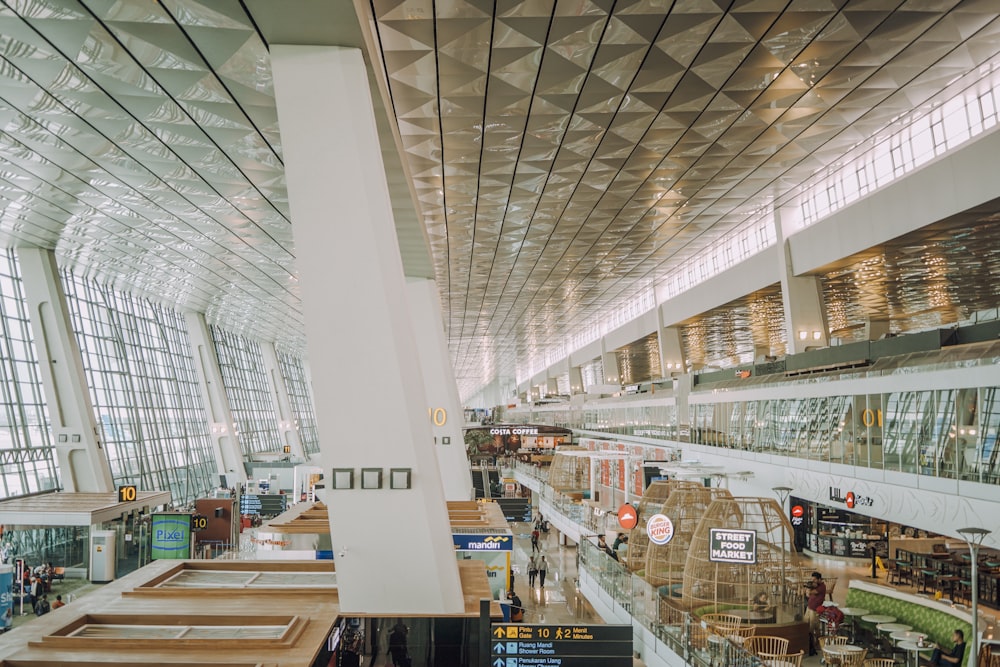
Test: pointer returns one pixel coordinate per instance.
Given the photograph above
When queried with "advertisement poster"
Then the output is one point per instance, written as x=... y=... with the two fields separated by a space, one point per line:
x=7 y=595
x=171 y=536
x=606 y=473
x=622 y=466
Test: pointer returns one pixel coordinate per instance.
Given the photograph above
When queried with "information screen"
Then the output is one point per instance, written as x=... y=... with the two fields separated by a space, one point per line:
x=524 y=645
x=267 y=505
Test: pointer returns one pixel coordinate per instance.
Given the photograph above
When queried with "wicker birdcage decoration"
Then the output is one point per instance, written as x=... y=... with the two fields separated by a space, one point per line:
x=569 y=472
x=651 y=503
x=766 y=586
x=685 y=507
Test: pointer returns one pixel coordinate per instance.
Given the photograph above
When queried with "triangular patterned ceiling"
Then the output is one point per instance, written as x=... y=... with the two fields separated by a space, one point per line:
x=607 y=144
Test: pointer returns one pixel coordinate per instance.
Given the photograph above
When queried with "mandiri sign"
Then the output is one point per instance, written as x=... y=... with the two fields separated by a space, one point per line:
x=732 y=546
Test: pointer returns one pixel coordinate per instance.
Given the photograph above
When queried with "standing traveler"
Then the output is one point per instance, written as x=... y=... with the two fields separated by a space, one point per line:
x=42 y=606
x=534 y=541
x=397 y=646
x=532 y=571
x=542 y=567
x=817 y=594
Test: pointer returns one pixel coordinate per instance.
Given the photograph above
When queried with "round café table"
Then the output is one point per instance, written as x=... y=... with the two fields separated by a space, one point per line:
x=852 y=613
x=878 y=618
x=839 y=651
x=914 y=649
x=889 y=628
x=875 y=619
x=907 y=636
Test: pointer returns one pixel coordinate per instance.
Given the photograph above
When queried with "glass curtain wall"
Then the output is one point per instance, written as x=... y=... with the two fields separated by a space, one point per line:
x=242 y=366
x=27 y=460
x=943 y=433
x=300 y=396
x=137 y=359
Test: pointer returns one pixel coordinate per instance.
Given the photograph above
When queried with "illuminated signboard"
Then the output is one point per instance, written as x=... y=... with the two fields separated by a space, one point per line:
x=171 y=536
x=732 y=546
x=523 y=645
x=482 y=542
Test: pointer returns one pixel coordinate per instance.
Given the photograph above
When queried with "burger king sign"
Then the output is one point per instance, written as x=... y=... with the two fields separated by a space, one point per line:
x=660 y=529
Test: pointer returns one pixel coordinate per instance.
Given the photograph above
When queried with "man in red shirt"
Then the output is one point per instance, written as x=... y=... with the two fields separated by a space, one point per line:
x=814 y=604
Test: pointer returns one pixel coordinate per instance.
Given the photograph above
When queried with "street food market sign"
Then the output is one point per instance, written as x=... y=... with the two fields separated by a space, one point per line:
x=732 y=546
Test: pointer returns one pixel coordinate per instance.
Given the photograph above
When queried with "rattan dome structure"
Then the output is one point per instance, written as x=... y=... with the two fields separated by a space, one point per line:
x=651 y=503
x=771 y=582
x=685 y=506
x=570 y=472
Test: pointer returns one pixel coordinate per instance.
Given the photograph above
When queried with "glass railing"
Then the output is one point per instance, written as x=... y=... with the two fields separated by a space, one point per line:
x=677 y=630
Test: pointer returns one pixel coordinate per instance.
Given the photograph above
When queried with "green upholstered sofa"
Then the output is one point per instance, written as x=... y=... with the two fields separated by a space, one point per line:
x=935 y=619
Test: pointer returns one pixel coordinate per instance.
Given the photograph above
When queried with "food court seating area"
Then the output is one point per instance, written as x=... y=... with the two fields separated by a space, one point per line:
x=886 y=623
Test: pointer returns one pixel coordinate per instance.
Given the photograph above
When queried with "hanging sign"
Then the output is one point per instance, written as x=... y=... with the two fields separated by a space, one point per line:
x=660 y=529
x=627 y=517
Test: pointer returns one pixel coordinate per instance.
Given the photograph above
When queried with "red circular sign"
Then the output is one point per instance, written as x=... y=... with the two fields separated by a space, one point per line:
x=849 y=499
x=627 y=517
x=797 y=511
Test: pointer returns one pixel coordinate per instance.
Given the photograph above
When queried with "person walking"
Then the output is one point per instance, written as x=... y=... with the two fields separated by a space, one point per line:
x=542 y=567
x=534 y=541
x=398 y=650
x=532 y=571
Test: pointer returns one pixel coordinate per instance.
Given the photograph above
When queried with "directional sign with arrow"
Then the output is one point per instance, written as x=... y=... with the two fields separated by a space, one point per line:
x=529 y=645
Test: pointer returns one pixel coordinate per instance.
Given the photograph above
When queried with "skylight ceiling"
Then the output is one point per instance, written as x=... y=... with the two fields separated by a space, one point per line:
x=564 y=155
x=567 y=154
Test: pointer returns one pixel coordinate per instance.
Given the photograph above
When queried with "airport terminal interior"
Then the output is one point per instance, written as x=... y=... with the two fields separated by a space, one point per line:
x=500 y=333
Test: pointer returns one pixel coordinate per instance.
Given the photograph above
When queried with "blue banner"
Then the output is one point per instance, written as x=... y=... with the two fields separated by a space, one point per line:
x=483 y=542
x=7 y=596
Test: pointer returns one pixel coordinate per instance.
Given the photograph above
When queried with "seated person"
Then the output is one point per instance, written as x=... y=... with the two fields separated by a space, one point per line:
x=954 y=657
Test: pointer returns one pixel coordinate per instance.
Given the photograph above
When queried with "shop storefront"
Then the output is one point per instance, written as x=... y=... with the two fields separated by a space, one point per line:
x=830 y=531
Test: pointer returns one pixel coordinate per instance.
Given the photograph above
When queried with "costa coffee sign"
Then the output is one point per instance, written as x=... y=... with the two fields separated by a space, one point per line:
x=660 y=529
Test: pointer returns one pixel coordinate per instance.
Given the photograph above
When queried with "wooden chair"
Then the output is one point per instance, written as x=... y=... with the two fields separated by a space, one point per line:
x=787 y=658
x=880 y=662
x=856 y=659
x=761 y=644
x=832 y=640
x=742 y=633
x=723 y=624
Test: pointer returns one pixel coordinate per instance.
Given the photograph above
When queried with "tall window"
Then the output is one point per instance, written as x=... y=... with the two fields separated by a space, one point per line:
x=27 y=461
x=137 y=359
x=242 y=366
x=300 y=396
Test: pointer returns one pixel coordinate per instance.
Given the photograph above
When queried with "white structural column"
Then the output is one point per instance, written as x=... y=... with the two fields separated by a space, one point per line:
x=671 y=347
x=802 y=296
x=393 y=547
x=445 y=409
x=609 y=361
x=83 y=461
x=225 y=446
x=575 y=380
x=282 y=404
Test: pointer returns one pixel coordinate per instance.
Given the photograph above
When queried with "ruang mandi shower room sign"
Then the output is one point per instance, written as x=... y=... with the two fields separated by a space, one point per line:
x=732 y=546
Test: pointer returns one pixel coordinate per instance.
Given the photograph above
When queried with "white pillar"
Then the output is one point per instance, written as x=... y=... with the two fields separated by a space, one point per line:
x=221 y=426
x=609 y=361
x=393 y=548
x=282 y=404
x=552 y=386
x=802 y=296
x=83 y=461
x=671 y=347
x=445 y=410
